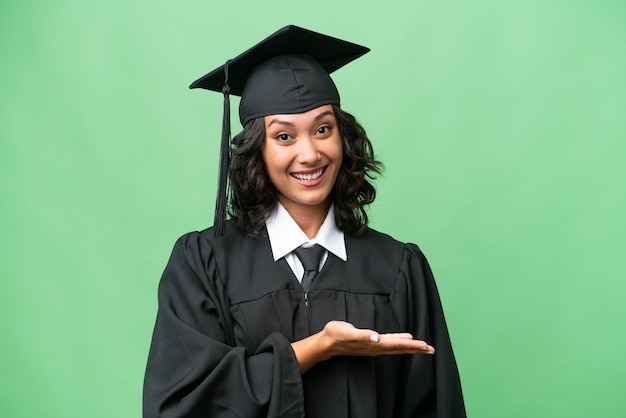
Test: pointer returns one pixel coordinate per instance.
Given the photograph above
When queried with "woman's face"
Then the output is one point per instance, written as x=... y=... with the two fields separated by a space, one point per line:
x=302 y=154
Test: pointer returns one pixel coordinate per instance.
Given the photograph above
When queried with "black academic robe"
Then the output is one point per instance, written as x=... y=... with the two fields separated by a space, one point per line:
x=228 y=313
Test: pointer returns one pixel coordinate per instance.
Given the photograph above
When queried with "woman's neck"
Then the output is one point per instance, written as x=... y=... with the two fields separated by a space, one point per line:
x=308 y=218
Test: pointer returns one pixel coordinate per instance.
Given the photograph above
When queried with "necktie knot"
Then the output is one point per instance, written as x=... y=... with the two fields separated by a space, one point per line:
x=310 y=257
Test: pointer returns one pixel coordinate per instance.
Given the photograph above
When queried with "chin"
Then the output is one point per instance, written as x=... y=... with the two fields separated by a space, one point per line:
x=311 y=202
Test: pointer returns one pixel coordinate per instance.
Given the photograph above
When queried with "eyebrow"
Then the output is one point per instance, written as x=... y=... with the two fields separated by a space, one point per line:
x=286 y=123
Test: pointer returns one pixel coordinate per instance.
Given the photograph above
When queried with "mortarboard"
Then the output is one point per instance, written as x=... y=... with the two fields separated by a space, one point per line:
x=286 y=73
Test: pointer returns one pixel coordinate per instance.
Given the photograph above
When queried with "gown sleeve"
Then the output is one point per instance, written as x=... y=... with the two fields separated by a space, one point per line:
x=194 y=367
x=418 y=309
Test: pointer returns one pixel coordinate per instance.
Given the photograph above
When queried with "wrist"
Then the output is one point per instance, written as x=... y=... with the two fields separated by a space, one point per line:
x=324 y=344
x=311 y=350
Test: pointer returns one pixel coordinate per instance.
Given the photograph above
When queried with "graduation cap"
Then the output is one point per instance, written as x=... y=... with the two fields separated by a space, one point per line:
x=286 y=73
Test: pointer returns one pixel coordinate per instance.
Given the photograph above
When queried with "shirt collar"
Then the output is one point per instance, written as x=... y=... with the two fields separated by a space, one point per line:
x=285 y=235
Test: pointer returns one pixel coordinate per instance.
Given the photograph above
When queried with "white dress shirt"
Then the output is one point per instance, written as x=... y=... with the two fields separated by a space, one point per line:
x=285 y=236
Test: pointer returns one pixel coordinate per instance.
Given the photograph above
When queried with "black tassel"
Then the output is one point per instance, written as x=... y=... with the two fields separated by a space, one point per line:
x=221 y=202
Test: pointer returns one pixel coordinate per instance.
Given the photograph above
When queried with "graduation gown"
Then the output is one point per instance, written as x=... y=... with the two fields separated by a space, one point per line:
x=228 y=313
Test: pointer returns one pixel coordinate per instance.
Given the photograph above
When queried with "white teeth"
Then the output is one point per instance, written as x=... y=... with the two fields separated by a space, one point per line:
x=309 y=177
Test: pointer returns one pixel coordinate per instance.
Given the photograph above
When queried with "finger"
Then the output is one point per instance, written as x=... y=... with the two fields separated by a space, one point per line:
x=403 y=335
x=426 y=348
x=421 y=345
x=365 y=335
x=404 y=346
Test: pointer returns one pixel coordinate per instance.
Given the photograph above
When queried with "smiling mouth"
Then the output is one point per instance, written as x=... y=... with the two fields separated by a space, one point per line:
x=309 y=176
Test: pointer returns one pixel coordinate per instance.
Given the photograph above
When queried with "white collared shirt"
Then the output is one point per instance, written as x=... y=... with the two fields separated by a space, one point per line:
x=285 y=236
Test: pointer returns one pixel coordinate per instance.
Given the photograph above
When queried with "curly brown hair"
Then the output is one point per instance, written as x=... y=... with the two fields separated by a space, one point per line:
x=253 y=197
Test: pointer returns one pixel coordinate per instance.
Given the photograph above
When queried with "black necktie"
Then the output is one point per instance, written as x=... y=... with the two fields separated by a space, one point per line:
x=310 y=258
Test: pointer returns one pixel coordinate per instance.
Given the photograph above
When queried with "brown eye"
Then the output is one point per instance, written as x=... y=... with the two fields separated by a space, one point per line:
x=282 y=137
x=323 y=130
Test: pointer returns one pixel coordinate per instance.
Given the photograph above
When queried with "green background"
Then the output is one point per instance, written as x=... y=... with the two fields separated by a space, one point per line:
x=501 y=124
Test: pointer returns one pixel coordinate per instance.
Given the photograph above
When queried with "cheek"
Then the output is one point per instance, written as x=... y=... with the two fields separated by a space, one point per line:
x=338 y=151
x=266 y=155
x=273 y=160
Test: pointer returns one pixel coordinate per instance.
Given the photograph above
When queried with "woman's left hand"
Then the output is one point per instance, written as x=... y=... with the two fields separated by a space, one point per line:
x=343 y=339
x=339 y=338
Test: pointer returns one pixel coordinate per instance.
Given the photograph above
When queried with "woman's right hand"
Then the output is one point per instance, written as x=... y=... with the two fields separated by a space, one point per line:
x=339 y=338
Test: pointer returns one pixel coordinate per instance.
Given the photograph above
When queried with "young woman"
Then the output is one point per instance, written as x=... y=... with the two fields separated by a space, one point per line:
x=248 y=326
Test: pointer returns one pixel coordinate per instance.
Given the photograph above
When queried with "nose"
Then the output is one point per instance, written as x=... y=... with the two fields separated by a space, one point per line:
x=307 y=150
